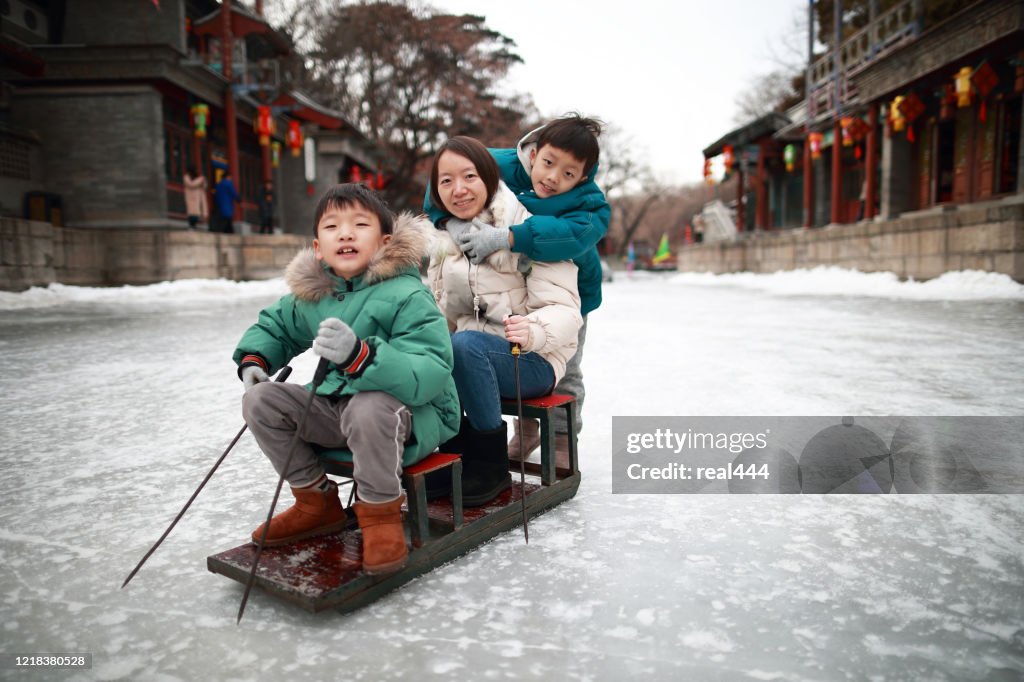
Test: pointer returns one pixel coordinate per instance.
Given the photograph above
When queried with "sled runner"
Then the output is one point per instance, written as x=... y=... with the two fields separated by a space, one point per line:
x=326 y=572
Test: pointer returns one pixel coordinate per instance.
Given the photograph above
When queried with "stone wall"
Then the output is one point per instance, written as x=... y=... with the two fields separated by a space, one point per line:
x=37 y=254
x=26 y=254
x=921 y=245
x=114 y=22
x=102 y=151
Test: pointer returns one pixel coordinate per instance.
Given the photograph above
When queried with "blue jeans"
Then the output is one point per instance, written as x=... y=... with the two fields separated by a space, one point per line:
x=485 y=373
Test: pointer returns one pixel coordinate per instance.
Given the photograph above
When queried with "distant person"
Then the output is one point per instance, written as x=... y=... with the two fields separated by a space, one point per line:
x=266 y=207
x=196 y=206
x=389 y=397
x=502 y=299
x=224 y=197
x=551 y=171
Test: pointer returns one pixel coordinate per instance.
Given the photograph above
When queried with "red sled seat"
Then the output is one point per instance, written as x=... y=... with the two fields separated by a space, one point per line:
x=544 y=409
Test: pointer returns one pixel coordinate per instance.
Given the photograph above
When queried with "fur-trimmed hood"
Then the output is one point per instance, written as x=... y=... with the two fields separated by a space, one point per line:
x=310 y=280
x=527 y=144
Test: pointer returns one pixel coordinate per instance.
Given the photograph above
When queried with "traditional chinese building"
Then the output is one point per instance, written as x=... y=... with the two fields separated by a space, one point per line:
x=104 y=105
x=907 y=148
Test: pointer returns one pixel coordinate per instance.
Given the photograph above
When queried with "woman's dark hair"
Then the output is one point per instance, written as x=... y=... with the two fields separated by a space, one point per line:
x=191 y=170
x=353 y=193
x=473 y=150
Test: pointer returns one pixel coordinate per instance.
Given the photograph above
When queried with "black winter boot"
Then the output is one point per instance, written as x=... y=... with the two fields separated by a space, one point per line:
x=484 y=465
x=439 y=483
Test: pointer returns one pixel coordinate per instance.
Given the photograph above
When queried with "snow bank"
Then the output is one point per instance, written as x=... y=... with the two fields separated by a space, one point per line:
x=181 y=291
x=964 y=285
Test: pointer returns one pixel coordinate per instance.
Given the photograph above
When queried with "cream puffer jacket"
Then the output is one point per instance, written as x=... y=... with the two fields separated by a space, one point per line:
x=479 y=297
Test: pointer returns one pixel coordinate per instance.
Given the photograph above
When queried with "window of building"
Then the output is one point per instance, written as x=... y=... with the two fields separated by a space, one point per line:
x=945 y=160
x=14 y=157
x=1008 y=156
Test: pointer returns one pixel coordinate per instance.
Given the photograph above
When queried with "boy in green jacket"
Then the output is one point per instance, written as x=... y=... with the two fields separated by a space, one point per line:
x=389 y=398
x=552 y=172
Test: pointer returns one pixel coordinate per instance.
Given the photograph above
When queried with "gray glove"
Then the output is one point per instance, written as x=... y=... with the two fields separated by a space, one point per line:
x=252 y=375
x=336 y=342
x=456 y=227
x=480 y=244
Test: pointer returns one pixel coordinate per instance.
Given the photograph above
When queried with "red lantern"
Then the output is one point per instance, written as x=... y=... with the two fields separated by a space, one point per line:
x=911 y=107
x=854 y=129
x=859 y=129
x=264 y=125
x=727 y=158
x=295 y=138
x=815 y=140
x=380 y=181
x=355 y=175
x=984 y=80
x=707 y=172
x=844 y=126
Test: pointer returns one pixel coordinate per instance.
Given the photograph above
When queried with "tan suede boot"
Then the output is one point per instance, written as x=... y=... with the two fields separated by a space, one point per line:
x=315 y=512
x=529 y=433
x=384 y=549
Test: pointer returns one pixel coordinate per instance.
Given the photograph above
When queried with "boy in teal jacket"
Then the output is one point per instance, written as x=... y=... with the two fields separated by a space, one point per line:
x=552 y=172
x=389 y=398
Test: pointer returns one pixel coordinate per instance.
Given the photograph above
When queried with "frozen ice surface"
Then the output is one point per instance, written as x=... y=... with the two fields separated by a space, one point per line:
x=117 y=401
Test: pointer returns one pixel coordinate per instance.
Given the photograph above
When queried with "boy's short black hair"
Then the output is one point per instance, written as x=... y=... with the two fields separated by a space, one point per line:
x=575 y=134
x=474 y=150
x=350 y=193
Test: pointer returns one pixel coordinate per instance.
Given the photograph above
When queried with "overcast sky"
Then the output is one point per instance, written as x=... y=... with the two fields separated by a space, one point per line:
x=668 y=73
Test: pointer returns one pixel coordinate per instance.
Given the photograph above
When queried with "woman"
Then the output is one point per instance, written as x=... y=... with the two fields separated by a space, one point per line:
x=195 y=197
x=506 y=299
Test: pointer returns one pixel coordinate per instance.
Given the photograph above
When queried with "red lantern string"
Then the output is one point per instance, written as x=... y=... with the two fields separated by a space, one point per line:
x=911 y=107
x=984 y=80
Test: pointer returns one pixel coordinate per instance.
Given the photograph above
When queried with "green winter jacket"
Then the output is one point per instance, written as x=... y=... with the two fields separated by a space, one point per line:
x=393 y=311
x=563 y=227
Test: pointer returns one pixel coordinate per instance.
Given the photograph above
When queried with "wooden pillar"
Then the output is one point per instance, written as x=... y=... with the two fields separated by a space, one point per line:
x=871 y=163
x=741 y=214
x=837 y=173
x=761 y=215
x=1020 y=153
x=230 y=122
x=267 y=170
x=197 y=159
x=808 y=184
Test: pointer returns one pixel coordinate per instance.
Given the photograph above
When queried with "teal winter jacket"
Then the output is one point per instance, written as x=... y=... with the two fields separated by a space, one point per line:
x=565 y=226
x=391 y=309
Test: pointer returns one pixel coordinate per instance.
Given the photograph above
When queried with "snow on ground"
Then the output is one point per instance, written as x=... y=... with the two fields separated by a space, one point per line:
x=117 y=401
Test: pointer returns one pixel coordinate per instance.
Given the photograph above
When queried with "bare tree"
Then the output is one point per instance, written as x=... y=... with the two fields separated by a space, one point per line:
x=408 y=76
x=629 y=183
x=782 y=86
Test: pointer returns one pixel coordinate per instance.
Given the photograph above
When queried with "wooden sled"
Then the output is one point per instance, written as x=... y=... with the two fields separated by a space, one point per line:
x=326 y=572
